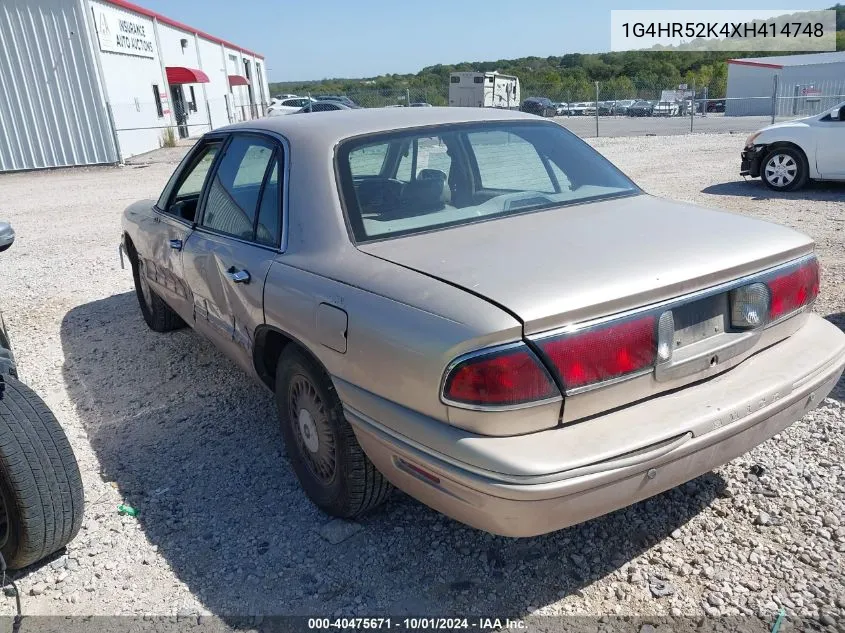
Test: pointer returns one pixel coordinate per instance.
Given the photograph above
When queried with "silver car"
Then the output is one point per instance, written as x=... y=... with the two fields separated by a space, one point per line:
x=476 y=307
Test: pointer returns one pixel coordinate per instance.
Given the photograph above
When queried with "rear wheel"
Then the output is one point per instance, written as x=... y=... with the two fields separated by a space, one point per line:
x=326 y=457
x=784 y=169
x=41 y=495
x=158 y=315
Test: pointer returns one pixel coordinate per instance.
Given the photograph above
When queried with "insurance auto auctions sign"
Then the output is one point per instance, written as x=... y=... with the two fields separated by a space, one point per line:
x=121 y=32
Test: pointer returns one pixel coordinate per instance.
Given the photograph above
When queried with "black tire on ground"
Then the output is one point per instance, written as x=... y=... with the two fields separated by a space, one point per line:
x=794 y=173
x=40 y=485
x=158 y=315
x=328 y=461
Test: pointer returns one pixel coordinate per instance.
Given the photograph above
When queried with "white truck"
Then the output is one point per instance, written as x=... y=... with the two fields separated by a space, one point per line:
x=483 y=90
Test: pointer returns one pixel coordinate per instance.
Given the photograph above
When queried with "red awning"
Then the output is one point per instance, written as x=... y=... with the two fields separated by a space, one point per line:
x=238 y=80
x=181 y=75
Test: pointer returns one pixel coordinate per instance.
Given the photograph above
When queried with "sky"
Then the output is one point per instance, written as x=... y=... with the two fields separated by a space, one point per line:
x=319 y=39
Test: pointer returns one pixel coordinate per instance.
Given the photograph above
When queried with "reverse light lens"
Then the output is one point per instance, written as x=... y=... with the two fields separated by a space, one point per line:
x=504 y=378
x=603 y=353
x=749 y=306
x=794 y=290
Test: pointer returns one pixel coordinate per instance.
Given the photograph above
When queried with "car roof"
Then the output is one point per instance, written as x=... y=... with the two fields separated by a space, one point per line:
x=332 y=127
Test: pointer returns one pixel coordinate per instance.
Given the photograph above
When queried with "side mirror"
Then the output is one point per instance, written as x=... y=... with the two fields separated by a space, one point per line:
x=7 y=236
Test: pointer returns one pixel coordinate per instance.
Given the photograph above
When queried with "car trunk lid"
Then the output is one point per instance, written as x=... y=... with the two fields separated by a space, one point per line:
x=558 y=267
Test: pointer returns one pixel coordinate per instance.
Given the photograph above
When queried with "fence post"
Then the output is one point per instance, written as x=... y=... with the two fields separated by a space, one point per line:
x=774 y=96
x=704 y=104
x=309 y=100
x=597 y=109
x=408 y=97
x=692 y=108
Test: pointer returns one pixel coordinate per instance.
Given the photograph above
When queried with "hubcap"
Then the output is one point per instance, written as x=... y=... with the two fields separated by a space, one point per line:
x=309 y=431
x=781 y=170
x=311 y=428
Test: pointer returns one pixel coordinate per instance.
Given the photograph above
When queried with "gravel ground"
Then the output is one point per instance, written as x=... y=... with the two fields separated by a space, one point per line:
x=166 y=424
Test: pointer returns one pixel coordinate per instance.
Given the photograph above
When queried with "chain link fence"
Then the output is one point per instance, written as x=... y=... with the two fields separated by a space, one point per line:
x=618 y=107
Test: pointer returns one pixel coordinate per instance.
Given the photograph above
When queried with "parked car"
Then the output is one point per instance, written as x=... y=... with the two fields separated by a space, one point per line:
x=421 y=104
x=717 y=105
x=665 y=108
x=421 y=325
x=621 y=107
x=641 y=108
x=41 y=495
x=562 y=109
x=786 y=155
x=283 y=97
x=338 y=98
x=288 y=106
x=605 y=108
x=577 y=109
x=541 y=106
x=325 y=106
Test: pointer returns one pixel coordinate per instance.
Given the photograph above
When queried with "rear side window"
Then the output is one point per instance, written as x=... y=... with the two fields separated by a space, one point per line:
x=268 y=228
x=235 y=190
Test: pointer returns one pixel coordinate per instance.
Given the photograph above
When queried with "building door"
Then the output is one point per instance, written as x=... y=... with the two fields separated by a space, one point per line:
x=180 y=109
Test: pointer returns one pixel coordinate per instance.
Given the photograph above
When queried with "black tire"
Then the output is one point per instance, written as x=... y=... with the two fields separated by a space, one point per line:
x=337 y=476
x=40 y=485
x=792 y=161
x=158 y=315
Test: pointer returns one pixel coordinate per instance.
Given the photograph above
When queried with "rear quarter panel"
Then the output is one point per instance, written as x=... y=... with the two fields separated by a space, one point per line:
x=403 y=331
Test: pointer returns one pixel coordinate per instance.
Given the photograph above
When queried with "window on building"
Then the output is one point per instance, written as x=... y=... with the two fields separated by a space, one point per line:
x=235 y=190
x=478 y=80
x=490 y=80
x=157 y=98
x=193 y=104
x=455 y=80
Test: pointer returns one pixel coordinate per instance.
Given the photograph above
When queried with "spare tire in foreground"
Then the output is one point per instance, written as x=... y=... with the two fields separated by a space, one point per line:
x=41 y=497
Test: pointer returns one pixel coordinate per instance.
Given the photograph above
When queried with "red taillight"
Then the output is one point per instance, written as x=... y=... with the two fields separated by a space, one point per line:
x=603 y=353
x=502 y=378
x=794 y=290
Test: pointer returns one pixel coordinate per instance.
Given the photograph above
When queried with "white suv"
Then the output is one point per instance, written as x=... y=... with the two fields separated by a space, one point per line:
x=786 y=155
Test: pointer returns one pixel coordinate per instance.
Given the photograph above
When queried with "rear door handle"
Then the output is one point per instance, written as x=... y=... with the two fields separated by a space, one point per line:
x=176 y=245
x=238 y=276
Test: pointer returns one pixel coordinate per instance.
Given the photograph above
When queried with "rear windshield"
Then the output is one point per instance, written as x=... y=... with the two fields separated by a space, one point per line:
x=409 y=182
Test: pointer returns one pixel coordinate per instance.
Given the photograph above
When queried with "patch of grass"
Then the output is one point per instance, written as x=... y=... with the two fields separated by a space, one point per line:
x=168 y=137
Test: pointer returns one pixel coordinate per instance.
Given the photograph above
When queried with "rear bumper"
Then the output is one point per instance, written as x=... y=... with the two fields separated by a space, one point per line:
x=784 y=382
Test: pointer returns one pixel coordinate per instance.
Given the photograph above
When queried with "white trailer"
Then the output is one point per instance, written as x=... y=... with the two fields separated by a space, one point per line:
x=483 y=90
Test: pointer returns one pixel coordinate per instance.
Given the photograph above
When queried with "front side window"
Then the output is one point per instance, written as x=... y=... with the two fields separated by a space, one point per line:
x=400 y=183
x=235 y=190
x=182 y=198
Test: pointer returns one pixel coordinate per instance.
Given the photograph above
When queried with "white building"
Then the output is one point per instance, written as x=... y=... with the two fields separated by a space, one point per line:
x=483 y=90
x=87 y=82
x=804 y=84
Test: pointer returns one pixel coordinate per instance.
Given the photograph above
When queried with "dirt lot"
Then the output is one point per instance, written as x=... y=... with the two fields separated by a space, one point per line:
x=166 y=424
